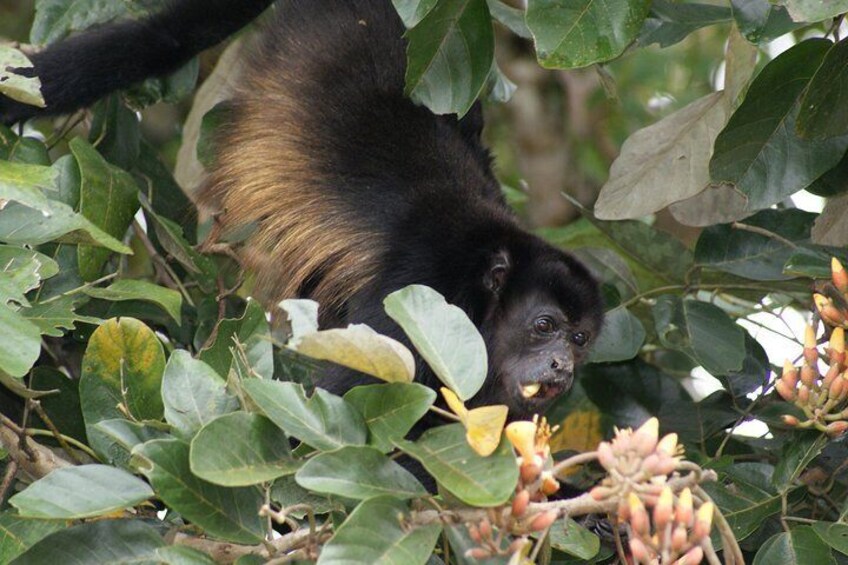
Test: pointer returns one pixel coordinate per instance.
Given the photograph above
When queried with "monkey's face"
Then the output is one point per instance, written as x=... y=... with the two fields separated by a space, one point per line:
x=544 y=327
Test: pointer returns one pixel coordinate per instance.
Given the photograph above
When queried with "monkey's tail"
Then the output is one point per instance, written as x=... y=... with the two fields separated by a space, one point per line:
x=80 y=70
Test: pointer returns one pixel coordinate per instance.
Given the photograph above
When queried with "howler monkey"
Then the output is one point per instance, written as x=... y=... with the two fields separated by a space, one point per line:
x=354 y=190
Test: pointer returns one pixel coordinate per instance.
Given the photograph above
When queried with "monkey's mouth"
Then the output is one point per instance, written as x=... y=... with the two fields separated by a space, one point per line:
x=543 y=390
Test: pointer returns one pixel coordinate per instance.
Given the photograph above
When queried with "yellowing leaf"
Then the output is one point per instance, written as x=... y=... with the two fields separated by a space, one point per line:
x=579 y=431
x=483 y=428
x=455 y=404
x=362 y=349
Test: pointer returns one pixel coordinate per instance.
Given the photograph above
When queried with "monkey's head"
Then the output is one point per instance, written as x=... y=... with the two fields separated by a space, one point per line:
x=545 y=312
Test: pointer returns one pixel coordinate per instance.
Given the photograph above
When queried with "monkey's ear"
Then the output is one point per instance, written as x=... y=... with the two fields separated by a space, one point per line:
x=497 y=271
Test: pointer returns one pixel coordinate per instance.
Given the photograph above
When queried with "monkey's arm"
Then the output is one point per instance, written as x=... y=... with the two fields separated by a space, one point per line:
x=78 y=71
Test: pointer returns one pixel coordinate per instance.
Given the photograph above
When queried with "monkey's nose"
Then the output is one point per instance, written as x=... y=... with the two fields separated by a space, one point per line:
x=560 y=365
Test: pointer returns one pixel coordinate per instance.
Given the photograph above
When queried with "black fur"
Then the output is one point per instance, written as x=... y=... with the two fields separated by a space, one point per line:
x=423 y=183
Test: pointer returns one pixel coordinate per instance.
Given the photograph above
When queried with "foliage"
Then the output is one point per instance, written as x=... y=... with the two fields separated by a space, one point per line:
x=151 y=406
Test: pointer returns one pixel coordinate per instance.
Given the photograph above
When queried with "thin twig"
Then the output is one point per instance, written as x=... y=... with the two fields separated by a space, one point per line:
x=35 y=432
x=160 y=261
x=36 y=405
x=445 y=413
x=579 y=459
x=8 y=479
x=765 y=233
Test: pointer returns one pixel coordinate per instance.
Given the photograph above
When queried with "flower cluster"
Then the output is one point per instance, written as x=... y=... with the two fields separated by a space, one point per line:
x=532 y=442
x=822 y=398
x=834 y=309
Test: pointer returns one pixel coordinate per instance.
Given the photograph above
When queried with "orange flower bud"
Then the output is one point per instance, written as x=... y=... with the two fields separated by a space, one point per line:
x=790 y=420
x=664 y=509
x=644 y=439
x=639 y=550
x=809 y=376
x=832 y=372
x=600 y=493
x=703 y=521
x=485 y=528
x=529 y=472
x=478 y=553
x=517 y=545
x=651 y=464
x=837 y=428
x=790 y=374
x=838 y=275
x=837 y=345
x=638 y=515
x=522 y=436
x=811 y=354
x=666 y=465
x=520 y=502
x=549 y=484
x=679 y=538
x=543 y=520
x=474 y=533
x=684 y=513
x=837 y=387
x=803 y=394
x=786 y=393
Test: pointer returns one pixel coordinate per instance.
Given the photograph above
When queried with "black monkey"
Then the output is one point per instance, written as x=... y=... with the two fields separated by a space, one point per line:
x=355 y=190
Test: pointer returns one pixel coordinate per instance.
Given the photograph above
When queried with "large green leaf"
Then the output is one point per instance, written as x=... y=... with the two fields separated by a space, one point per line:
x=758 y=151
x=413 y=11
x=55 y=19
x=702 y=331
x=753 y=255
x=127 y=289
x=229 y=513
x=27 y=184
x=358 y=472
x=374 y=534
x=324 y=421
x=443 y=335
x=78 y=492
x=572 y=538
x=796 y=455
x=193 y=394
x=252 y=332
x=104 y=542
x=476 y=480
x=744 y=506
x=390 y=410
x=670 y=22
x=621 y=337
x=107 y=198
x=449 y=55
x=760 y=20
x=799 y=546
x=815 y=10
x=19 y=534
x=834 y=534
x=20 y=343
x=577 y=33
x=22 y=149
x=824 y=108
x=241 y=449
x=122 y=368
x=125 y=435
x=58 y=314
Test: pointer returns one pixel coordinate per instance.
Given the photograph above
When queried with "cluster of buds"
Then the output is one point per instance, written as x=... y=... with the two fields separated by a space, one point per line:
x=822 y=398
x=834 y=310
x=490 y=540
x=532 y=442
x=637 y=461
x=672 y=532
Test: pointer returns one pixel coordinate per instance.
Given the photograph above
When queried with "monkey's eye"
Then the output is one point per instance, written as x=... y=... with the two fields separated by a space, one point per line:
x=580 y=338
x=544 y=325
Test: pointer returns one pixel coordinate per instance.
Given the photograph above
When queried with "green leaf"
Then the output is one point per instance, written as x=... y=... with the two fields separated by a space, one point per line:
x=84 y=491
x=20 y=343
x=512 y=18
x=758 y=151
x=58 y=315
x=413 y=11
x=824 y=108
x=702 y=331
x=210 y=127
x=576 y=33
x=22 y=270
x=21 y=149
x=228 y=513
x=374 y=534
x=476 y=480
x=815 y=10
x=125 y=435
x=252 y=332
x=194 y=394
x=287 y=493
x=241 y=449
x=752 y=255
x=26 y=184
x=443 y=335
x=105 y=542
x=19 y=534
x=15 y=86
x=761 y=21
x=122 y=366
x=358 y=472
x=390 y=410
x=127 y=289
x=834 y=534
x=670 y=22
x=572 y=538
x=449 y=56
x=107 y=198
x=62 y=404
x=621 y=337
x=182 y=555
x=360 y=348
x=56 y=19
x=797 y=453
x=744 y=506
x=799 y=546
x=116 y=131
x=324 y=421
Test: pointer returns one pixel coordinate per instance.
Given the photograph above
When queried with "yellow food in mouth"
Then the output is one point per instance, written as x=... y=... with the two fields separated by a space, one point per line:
x=531 y=390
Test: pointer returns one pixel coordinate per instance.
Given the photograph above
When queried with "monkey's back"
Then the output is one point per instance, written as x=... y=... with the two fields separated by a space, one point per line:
x=327 y=158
